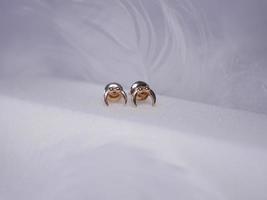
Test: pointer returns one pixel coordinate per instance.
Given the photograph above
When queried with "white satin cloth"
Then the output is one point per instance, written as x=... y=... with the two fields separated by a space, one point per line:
x=58 y=140
x=210 y=51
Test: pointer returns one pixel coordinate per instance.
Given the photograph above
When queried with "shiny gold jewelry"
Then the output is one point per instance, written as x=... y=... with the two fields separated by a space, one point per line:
x=141 y=91
x=113 y=93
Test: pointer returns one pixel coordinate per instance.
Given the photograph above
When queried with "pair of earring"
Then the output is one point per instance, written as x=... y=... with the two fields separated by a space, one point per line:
x=140 y=91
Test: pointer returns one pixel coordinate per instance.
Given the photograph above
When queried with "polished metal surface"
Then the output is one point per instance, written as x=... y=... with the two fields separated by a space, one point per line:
x=140 y=91
x=113 y=93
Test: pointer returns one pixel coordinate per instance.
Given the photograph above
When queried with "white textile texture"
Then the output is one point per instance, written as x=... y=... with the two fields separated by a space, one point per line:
x=206 y=137
x=63 y=142
x=210 y=51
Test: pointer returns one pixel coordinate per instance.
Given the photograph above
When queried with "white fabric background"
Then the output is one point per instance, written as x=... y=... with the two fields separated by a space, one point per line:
x=208 y=51
x=59 y=141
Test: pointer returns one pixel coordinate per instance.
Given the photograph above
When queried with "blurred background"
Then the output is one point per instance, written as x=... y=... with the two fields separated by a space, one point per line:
x=207 y=51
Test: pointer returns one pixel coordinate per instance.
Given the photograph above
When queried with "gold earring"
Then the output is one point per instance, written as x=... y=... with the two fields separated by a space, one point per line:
x=140 y=91
x=114 y=92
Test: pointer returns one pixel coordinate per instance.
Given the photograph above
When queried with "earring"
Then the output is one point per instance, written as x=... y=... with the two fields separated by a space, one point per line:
x=141 y=91
x=114 y=92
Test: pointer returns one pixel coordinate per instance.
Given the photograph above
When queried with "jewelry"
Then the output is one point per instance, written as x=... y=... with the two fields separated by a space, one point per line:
x=113 y=93
x=141 y=91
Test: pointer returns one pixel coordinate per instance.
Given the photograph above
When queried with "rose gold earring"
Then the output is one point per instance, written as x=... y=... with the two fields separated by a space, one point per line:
x=140 y=91
x=114 y=92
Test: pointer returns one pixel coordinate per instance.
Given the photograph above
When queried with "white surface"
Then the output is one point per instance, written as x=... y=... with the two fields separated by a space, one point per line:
x=59 y=141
